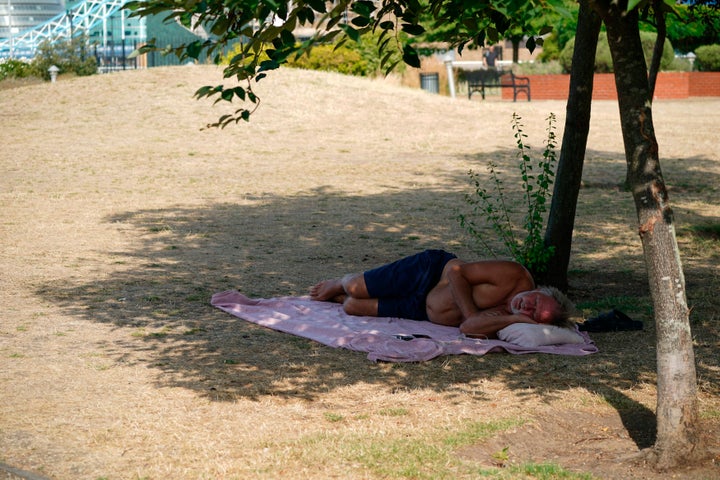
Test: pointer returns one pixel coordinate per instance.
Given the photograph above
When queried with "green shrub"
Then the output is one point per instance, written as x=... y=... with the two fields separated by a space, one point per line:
x=648 y=40
x=603 y=58
x=328 y=58
x=70 y=56
x=707 y=58
x=550 y=48
x=680 y=64
x=491 y=207
x=537 y=68
x=351 y=58
x=13 y=68
x=367 y=47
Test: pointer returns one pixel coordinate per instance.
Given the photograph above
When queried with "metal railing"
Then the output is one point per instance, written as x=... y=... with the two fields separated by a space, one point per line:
x=83 y=16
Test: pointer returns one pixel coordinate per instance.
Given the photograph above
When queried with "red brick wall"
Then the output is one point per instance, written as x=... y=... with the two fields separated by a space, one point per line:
x=669 y=85
x=704 y=84
x=604 y=87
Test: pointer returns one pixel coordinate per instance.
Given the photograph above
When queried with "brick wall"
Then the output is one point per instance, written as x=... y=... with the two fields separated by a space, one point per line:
x=670 y=85
x=704 y=84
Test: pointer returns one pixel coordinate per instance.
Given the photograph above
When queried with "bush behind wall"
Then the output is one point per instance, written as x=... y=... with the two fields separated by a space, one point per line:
x=707 y=58
x=603 y=59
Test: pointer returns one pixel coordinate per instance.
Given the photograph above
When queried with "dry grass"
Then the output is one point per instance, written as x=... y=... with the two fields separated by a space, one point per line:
x=121 y=217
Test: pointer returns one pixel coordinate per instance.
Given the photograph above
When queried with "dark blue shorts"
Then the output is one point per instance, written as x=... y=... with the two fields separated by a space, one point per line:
x=401 y=287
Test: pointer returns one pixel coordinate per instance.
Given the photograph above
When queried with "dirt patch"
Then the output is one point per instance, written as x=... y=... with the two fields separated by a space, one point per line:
x=605 y=444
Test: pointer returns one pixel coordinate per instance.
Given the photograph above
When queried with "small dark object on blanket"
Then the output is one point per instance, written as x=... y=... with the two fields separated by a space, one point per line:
x=407 y=338
x=612 y=321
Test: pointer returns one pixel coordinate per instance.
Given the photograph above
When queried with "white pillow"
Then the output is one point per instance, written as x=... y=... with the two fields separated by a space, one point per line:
x=534 y=335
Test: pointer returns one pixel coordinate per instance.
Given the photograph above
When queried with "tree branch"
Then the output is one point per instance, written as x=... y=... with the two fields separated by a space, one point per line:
x=659 y=45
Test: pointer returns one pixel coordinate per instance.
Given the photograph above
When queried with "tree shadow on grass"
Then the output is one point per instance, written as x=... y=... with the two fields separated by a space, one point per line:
x=158 y=298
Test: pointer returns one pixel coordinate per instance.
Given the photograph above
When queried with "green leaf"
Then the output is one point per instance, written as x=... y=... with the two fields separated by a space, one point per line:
x=203 y=91
x=306 y=15
x=363 y=7
x=382 y=45
x=360 y=22
x=385 y=59
x=545 y=30
x=194 y=49
x=410 y=56
x=391 y=67
x=239 y=92
x=227 y=95
x=412 y=29
x=387 y=25
x=268 y=65
x=340 y=43
x=350 y=32
x=633 y=3
x=530 y=44
x=492 y=35
x=317 y=5
x=150 y=47
x=287 y=38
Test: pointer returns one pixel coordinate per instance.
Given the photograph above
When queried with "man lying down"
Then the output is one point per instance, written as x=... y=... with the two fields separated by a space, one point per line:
x=481 y=298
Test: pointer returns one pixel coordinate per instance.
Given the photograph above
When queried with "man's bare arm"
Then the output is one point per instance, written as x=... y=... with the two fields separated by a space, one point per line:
x=489 y=322
x=461 y=291
x=494 y=281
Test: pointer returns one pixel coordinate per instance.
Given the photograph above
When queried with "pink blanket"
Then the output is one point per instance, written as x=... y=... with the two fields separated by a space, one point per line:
x=327 y=323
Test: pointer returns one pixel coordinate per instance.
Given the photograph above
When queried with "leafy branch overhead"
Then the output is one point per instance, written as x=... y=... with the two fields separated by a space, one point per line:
x=265 y=31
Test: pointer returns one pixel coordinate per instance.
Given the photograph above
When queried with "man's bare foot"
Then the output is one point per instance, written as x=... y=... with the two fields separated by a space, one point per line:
x=328 y=290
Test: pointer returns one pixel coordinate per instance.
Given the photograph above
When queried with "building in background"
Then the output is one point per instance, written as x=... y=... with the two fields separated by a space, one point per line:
x=110 y=31
x=19 y=15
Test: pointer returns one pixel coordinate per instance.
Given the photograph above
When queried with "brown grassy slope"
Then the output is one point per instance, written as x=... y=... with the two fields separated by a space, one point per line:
x=120 y=216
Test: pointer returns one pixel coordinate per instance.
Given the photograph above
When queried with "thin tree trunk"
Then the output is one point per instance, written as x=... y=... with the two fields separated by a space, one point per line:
x=561 y=220
x=659 y=46
x=678 y=440
x=515 y=48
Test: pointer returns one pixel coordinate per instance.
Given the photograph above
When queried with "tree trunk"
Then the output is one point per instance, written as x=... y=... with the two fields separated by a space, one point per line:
x=678 y=440
x=515 y=48
x=561 y=220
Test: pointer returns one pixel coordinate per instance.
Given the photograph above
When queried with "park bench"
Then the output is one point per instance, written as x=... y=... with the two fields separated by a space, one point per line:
x=479 y=80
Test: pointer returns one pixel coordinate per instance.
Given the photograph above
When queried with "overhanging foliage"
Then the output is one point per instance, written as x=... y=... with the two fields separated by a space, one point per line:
x=265 y=29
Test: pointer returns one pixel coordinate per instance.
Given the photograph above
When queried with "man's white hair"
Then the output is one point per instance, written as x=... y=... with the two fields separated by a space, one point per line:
x=566 y=314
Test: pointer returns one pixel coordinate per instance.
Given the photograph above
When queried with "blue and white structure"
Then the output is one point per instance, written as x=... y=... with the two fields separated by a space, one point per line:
x=25 y=24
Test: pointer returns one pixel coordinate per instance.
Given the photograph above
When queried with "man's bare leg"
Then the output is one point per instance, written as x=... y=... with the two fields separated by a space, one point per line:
x=366 y=307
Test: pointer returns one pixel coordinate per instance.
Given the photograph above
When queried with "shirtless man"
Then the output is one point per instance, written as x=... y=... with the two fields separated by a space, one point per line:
x=479 y=297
